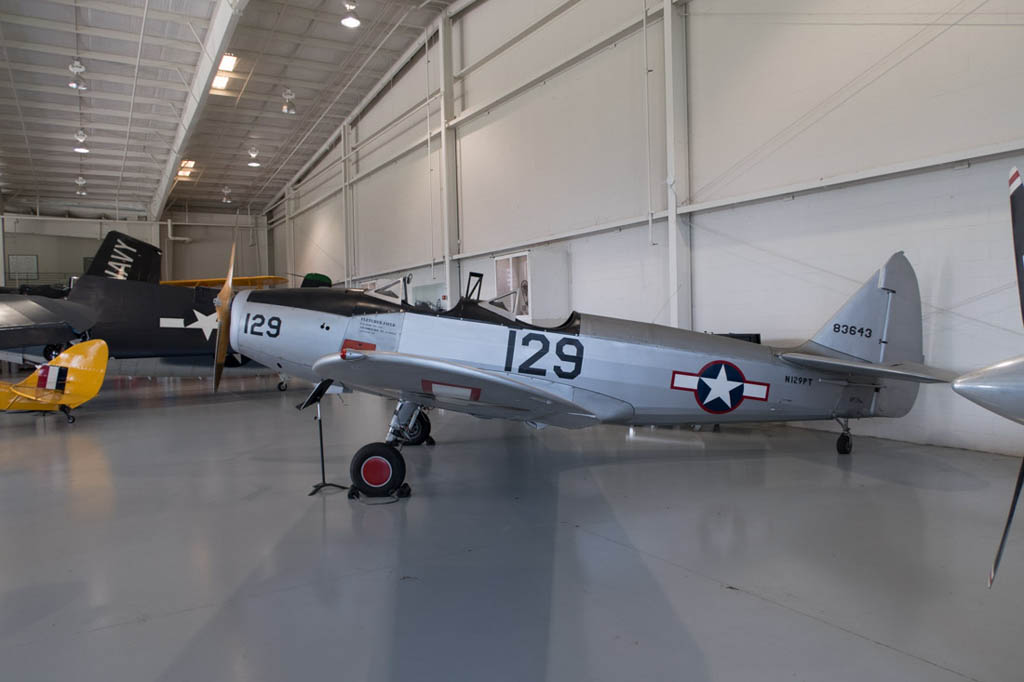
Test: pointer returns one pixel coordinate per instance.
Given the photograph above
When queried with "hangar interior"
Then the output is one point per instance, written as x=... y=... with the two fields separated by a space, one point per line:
x=711 y=165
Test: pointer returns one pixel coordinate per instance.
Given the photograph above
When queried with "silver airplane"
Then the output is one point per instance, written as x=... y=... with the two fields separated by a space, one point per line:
x=1000 y=387
x=478 y=359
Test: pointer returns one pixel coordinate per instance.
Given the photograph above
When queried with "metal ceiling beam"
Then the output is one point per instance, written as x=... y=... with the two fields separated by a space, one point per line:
x=218 y=36
x=296 y=62
x=97 y=77
x=63 y=136
x=87 y=110
x=130 y=11
x=297 y=39
x=328 y=18
x=62 y=124
x=275 y=80
x=73 y=172
x=98 y=157
x=93 y=93
x=112 y=34
x=97 y=55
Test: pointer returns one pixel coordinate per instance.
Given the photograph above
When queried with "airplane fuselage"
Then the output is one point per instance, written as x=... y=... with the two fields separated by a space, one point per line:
x=623 y=372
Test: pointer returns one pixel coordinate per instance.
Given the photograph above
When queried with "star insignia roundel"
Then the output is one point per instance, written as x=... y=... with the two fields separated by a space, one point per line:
x=719 y=387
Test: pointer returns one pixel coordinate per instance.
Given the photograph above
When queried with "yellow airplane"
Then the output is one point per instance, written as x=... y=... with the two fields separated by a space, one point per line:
x=72 y=378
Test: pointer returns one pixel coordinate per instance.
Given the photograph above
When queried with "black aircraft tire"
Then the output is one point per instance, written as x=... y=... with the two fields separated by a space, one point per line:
x=844 y=444
x=420 y=431
x=51 y=351
x=377 y=470
x=282 y=386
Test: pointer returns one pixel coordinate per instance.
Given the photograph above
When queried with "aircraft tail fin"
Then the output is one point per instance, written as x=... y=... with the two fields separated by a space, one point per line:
x=881 y=323
x=1017 y=221
x=123 y=257
x=72 y=378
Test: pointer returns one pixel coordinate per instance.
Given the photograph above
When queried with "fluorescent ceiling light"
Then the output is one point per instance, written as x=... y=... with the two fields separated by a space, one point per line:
x=184 y=173
x=81 y=148
x=186 y=163
x=220 y=82
x=227 y=62
x=254 y=164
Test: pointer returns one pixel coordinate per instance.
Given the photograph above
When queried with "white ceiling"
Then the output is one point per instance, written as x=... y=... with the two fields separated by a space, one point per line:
x=296 y=44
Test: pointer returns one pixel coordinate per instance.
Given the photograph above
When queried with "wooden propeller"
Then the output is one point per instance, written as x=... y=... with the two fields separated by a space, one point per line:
x=223 y=306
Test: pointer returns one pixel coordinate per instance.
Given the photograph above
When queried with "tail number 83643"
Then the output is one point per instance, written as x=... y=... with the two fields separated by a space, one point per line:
x=568 y=351
x=259 y=325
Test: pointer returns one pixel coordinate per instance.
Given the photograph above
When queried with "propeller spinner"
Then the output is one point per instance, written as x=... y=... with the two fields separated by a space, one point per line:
x=223 y=306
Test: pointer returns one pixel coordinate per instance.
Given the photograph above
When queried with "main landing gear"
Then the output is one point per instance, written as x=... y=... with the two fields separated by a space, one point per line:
x=844 y=444
x=378 y=469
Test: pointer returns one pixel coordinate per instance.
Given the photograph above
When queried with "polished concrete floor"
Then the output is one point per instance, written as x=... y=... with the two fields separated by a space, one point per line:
x=167 y=535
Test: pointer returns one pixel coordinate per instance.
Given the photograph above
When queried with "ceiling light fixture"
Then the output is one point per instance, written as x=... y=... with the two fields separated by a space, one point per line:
x=80 y=181
x=289 y=102
x=77 y=69
x=226 y=199
x=80 y=138
x=227 y=62
x=351 y=19
x=253 y=153
x=220 y=82
x=185 y=168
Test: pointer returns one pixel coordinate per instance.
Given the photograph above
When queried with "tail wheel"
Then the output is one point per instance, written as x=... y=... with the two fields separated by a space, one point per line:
x=844 y=444
x=419 y=432
x=377 y=470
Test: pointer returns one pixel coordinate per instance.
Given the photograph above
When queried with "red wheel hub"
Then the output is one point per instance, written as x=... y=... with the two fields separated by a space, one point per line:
x=376 y=471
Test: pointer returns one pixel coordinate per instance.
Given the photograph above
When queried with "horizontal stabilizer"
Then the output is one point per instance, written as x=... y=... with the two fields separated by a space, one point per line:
x=902 y=371
x=42 y=395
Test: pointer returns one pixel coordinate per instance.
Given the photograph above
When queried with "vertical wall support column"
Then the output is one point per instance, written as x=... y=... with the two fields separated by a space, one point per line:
x=347 y=199
x=3 y=247
x=677 y=177
x=289 y=225
x=449 y=173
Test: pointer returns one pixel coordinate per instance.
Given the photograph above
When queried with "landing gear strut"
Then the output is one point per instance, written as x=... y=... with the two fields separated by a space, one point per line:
x=67 y=413
x=844 y=444
x=378 y=469
x=418 y=431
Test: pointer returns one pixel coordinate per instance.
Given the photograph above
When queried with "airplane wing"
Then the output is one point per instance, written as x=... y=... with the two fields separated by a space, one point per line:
x=255 y=281
x=453 y=386
x=903 y=371
x=38 y=320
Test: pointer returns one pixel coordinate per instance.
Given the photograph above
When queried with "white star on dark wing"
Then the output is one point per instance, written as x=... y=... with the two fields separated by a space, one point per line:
x=720 y=387
x=207 y=323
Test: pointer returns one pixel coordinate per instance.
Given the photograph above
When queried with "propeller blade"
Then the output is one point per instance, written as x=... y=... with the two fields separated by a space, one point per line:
x=1009 y=520
x=223 y=305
